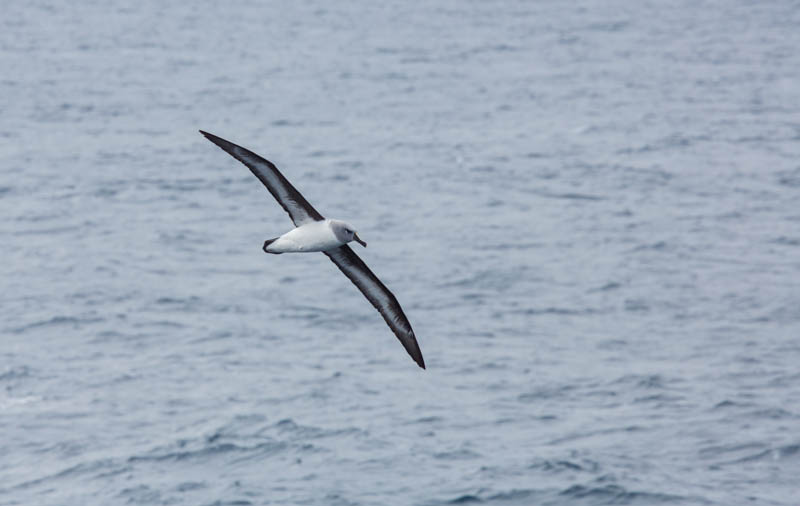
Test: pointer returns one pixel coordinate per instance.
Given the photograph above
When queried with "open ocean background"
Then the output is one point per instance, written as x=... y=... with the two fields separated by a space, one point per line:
x=590 y=212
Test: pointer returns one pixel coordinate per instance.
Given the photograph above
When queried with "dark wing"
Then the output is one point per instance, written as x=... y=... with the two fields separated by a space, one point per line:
x=354 y=268
x=287 y=196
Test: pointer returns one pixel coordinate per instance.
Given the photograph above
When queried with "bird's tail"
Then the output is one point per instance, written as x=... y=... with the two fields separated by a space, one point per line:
x=267 y=243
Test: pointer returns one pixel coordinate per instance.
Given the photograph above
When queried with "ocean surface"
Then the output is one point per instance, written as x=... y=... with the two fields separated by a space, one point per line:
x=590 y=212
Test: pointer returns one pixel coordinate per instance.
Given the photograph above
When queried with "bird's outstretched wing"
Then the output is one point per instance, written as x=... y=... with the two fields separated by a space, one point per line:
x=384 y=301
x=287 y=196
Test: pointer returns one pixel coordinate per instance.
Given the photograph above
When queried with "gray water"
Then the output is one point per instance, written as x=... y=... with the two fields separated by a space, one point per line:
x=588 y=210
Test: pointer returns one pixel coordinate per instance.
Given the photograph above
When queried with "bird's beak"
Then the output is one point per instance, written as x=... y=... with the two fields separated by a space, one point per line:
x=357 y=239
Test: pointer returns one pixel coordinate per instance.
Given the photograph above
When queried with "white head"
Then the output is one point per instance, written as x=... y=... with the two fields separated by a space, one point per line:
x=345 y=232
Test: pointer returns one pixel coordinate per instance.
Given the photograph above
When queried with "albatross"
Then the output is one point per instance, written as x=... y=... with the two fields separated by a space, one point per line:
x=314 y=232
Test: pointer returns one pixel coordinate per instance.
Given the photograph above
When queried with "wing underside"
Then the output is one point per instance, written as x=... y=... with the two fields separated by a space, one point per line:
x=287 y=196
x=376 y=292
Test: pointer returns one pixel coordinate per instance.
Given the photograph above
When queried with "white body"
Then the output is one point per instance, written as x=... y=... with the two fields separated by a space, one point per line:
x=314 y=236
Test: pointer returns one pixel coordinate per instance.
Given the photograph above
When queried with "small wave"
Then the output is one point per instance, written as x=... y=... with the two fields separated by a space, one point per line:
x=727 y=404
x=322 y=153
x=509 y=246
x=772 y=413
x=498 y=279
x=655 y=246
x=549 y=392
x=790 y=178
x=18 y=372
x=78 y=469
x=466 y=499
x=780 y=453
x=559 y=311
x=212 y=450
x=188 y=486
x=159 y=324
x=612 y=285
x=661 y=399
x=786 y=241
x=172 y=301
x=636 y=306
x=616 y=494
x=218 y=335
x=52 y=230
x=575 y=436
x=461 y=454
x=56 y=321
x=515 y=496
x=665 y=143
x=297 y=431
x=141 y=494
x=11 y=402
x=646 y=381
x=569 y=195
x=712 y=451
x=286 y=123
x=559 y=466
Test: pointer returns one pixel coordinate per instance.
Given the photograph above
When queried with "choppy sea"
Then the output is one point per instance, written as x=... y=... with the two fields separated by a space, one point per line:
x=590 y=212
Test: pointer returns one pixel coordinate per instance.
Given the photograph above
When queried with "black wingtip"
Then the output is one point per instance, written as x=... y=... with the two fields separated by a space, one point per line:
x=230 y=148
x=213 y=138
x=415 y=352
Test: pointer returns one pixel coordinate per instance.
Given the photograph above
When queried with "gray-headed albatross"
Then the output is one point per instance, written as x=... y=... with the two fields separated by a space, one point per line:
x=313 y=232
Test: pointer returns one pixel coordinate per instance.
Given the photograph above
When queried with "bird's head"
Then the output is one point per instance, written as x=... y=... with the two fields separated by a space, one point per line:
x=345 y=232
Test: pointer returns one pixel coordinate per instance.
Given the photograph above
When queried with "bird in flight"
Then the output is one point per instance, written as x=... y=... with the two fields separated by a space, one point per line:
x=314 y=232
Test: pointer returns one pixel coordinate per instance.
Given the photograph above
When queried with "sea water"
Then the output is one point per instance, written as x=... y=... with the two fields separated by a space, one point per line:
x=589 y=211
